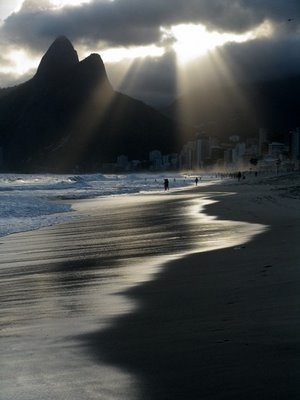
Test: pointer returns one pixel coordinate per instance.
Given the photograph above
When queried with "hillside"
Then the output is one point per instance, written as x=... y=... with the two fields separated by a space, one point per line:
x=68 y=117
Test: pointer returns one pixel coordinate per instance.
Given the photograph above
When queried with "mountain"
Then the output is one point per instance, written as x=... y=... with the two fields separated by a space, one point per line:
x=241 y=108
x=68 y=117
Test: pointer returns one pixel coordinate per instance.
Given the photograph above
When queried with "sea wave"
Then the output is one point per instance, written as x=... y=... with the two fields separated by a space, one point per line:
x=34 y=200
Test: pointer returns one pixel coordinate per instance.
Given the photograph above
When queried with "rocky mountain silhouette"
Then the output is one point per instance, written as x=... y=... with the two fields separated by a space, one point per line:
x=69 y=118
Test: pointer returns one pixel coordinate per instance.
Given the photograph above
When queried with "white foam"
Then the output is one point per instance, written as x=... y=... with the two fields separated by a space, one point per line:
x=29 y=202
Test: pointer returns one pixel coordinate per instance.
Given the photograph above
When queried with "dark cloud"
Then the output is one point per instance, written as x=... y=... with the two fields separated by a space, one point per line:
x=156 y=80
x=264 y=59
x=137 y=22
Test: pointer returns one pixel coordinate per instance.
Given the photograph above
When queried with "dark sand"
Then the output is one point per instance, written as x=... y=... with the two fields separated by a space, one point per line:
x=217 y=324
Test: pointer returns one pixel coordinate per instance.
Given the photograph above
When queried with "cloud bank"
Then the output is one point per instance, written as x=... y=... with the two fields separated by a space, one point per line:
x=102 y=24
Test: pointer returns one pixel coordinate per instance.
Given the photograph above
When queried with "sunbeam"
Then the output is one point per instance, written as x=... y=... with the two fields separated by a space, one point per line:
x=83 y=128
x=193 y=41
x=210 y=84
x=202 y=66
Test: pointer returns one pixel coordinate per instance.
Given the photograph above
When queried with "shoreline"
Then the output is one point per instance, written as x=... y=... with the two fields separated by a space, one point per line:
x=23 y=221
x=34 y=201
x=97 y=317
x=221 y=324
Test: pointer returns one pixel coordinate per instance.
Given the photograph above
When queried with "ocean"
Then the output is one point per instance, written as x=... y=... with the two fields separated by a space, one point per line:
x=30 y=202
x=66 y=291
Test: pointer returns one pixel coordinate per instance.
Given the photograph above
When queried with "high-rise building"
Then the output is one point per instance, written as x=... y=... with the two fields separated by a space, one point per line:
x=262 y=141
x=276 y=149
x=122 y=162
x=155 y=158
x=201 y=152
x=186 y=156
x=295 y=144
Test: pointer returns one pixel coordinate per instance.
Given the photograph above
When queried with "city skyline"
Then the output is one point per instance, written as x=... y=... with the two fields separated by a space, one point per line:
x=204 y=153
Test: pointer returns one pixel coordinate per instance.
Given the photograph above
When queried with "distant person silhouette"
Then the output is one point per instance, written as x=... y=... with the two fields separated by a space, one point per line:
x=166 y=184
x=196 y=181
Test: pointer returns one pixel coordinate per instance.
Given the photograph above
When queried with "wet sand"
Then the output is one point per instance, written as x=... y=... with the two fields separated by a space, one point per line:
x=148 y=297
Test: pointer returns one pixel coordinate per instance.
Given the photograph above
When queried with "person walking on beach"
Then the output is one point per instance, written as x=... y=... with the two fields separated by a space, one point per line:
x=196 y=181
x=166 y=184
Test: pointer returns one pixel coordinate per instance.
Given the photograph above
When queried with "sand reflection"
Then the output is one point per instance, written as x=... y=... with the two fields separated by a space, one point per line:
x=61 y=283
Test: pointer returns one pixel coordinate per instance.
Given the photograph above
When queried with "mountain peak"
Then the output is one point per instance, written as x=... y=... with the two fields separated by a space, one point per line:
x=60 y=56
x=93 y=59
x=91 y=71
x=93 y=64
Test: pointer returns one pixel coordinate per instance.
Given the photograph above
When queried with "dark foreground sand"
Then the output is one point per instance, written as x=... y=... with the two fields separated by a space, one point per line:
x=218 y=324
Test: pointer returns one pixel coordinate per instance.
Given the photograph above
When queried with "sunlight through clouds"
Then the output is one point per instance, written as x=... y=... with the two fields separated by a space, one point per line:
x=201 y=58
x=127 y=33
x=119 y=54
x=193 y=41
x=19 y=62
x=63 y=3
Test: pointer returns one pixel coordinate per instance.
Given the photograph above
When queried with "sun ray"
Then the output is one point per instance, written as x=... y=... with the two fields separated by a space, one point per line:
x=84 y=127
x=236 y=87
x=202 y=68
x=130 y=79
x=210 y=84
x=95 y=114
x=193 y=41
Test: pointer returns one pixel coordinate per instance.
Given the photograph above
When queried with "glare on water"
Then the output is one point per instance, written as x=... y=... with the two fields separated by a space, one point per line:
x=67 y=280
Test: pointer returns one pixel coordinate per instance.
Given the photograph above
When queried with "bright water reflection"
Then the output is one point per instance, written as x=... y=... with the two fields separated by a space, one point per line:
x=68 y=280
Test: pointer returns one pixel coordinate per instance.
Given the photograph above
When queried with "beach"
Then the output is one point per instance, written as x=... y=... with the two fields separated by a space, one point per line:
x=187 y=294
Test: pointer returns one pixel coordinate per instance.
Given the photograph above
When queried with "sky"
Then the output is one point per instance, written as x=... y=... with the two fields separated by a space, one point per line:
x=155 y=50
